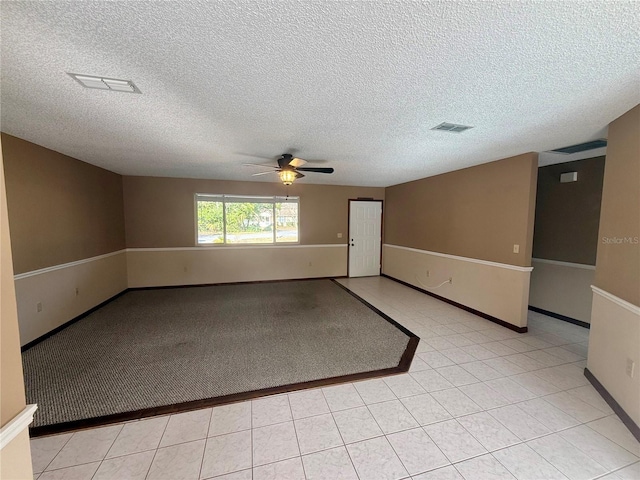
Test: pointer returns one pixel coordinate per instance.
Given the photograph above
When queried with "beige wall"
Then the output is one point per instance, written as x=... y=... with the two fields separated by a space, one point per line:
x=496 y=289
x=64 y=293
x=618 y=264
x=614 y=339
x=615 y=317
x=202 y=265
x=66 y=215
x=562 y=288
x=478 y=212
x=15 y=458
x=60 y=209
x=160 y=212
x=160 y=230
x=63 y=214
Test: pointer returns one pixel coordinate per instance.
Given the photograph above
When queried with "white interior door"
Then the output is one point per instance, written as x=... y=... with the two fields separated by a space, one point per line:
x=365 y=224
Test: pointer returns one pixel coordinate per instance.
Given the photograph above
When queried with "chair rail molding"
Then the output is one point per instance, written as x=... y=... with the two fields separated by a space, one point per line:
x=16 y=425
x=635 y=309
x=463 y=259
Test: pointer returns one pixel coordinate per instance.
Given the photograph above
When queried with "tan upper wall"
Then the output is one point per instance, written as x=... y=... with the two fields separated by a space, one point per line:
x=12 y=398
x=478 y=212
x=568 y=214
x=60 y=209
x=160 y=212
x=618 y=259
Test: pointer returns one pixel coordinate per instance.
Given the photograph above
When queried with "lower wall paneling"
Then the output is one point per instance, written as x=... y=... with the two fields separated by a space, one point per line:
x=614 y=340
x=96 y=280
x=562 y=288
x=15 y=458
x=495 y=289
x=154 y=267
x=101 y=278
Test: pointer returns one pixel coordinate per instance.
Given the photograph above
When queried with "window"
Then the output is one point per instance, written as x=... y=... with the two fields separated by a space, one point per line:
x=229 y=219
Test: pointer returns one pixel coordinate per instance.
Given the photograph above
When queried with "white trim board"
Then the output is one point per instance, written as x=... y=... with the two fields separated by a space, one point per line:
x=617 y=300
x=16 y=425
x=463 y=259
x=65 y=265
x=564 y=264
x=234 y=247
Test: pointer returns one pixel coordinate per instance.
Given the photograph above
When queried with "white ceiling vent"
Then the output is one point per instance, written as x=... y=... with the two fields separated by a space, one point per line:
x=451 y=127
x=102 y=83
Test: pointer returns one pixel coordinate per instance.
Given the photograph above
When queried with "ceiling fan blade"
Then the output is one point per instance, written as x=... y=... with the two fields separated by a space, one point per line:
x=316 y=169
x=263 y=173
x=263 y=165
x=297 y=162
x=299 y=175
x=284 y=160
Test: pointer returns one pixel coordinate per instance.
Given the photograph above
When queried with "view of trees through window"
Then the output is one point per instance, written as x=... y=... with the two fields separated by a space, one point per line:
x=230 y=219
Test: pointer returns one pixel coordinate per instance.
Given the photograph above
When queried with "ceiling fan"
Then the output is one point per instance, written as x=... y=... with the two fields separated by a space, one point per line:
x=289 y=168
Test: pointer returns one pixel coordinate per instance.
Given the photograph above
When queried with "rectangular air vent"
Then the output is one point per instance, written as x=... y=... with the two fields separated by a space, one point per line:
x=582 y=147
x=451 y=127
x=103 y=83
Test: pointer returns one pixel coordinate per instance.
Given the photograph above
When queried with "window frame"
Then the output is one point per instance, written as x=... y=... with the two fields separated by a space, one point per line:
x=223 y=197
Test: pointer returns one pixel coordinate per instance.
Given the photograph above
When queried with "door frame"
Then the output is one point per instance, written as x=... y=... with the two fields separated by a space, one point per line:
x=369 y=199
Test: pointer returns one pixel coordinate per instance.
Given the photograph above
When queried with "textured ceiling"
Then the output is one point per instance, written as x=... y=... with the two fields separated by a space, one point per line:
x=357 y=84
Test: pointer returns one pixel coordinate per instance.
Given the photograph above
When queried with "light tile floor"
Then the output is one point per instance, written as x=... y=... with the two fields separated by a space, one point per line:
x=480 y=402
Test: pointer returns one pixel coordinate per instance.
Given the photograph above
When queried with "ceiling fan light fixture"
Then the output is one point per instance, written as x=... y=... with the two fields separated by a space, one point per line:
x=287 y=176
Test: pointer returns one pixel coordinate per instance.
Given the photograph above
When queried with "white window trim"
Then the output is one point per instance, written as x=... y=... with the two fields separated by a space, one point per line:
x=223 y=196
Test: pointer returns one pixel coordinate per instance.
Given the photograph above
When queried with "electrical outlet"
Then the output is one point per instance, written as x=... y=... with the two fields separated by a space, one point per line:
x=39 y=306
x=339 y=235
x=516 y=248
x=631 y=368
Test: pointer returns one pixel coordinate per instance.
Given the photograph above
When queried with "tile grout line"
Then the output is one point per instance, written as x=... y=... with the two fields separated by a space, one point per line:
x=509 y=376
x=384 y=435
x=206 y=440
x=340 y=433
x=155 y=452
x=54 y=457
x=295 y=432
x=84 y=463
